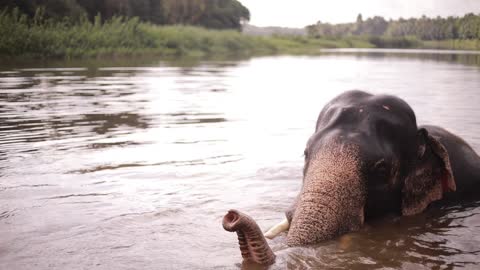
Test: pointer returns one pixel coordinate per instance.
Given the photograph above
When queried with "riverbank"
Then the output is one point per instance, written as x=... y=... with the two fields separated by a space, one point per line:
x=414 y=43
x=31 y=38
x=452 y=44
x=40 y=39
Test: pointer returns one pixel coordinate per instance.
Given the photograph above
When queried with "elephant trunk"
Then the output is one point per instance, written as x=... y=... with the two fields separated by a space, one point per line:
x=332 y=198
x=253 y=245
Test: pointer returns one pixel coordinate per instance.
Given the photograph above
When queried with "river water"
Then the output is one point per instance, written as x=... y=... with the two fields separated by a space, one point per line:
x=132 y=165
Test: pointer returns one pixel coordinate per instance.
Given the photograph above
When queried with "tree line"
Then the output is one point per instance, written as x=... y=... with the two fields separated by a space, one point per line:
x=424 y=28
x=216 y=14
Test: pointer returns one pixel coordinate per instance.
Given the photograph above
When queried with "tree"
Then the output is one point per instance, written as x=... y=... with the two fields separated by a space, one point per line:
x=375 y=26
x=56 y=9
x=220 y=14
x=358 y=29
x=359 y=18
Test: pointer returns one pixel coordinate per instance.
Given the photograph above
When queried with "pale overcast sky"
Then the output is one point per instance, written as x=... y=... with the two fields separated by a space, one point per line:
x=299 y=13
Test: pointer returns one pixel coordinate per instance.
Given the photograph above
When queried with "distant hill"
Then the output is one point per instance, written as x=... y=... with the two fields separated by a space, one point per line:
x=273 y=30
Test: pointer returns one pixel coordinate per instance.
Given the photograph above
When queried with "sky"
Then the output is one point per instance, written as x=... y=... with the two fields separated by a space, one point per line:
x=299 y=13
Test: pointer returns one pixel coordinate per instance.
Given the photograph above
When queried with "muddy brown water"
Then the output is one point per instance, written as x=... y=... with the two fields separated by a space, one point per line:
x=122 y=165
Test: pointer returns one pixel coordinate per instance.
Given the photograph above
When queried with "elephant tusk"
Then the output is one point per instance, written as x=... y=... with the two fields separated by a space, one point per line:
x=277 y=229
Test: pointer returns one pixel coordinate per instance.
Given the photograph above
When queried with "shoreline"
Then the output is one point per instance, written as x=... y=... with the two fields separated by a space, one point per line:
x=309 y=47
x=124 y=38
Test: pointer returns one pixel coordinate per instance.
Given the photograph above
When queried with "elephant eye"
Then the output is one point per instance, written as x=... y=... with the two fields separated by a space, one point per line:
x=305 y=153
x=380 y=168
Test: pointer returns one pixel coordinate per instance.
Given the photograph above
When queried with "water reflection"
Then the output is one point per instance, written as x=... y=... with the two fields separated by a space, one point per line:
x=135 y=163
x=103 y=123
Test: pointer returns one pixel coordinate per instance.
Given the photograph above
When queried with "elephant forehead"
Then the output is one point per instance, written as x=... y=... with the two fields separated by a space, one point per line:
x=335 y=159
x=368 y=109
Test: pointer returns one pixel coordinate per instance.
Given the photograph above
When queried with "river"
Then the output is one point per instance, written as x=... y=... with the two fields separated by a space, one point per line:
x=132 y=164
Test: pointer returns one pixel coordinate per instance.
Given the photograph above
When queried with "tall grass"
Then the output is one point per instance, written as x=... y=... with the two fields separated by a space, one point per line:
x=45 y=38
x=48 y=38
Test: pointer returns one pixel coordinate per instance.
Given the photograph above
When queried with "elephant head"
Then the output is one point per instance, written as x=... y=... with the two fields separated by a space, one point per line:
x=366 y=158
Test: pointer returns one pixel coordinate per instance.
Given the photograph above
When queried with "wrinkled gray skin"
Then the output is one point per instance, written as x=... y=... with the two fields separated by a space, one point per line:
x=368 y=158
x=253 y=245
x=332 y=197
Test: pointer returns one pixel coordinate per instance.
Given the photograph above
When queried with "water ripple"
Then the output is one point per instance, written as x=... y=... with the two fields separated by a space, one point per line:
x=133 y=164
x=78 y=195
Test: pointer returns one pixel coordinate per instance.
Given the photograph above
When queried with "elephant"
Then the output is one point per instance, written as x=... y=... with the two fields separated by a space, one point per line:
x=367 y=158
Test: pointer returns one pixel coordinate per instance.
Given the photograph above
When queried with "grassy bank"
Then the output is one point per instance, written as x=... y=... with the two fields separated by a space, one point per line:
x=452 y=44
x=414 y=43
x=21 y=37
x=39 y=38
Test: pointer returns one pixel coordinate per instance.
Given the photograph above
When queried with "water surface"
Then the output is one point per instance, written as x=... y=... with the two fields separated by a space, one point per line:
x=133 y=165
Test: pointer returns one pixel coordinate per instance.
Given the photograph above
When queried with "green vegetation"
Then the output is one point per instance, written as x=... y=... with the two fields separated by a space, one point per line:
x=394 y=42
x=424 y=28
x=439 y=33
x=46 y=38
x=48 y=34
x=452 y=44
x=217 y=14
x=415 y=43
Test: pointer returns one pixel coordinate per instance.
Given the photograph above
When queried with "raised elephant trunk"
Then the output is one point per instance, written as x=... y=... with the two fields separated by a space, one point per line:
x=253 y=245
x=330 y=203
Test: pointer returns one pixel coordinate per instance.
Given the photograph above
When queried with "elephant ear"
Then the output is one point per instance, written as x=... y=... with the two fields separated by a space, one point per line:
x=430 y=177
